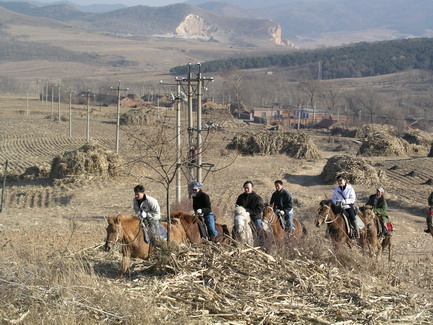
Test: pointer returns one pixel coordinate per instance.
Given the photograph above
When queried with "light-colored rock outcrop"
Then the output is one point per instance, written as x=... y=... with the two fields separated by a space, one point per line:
x=194 y=26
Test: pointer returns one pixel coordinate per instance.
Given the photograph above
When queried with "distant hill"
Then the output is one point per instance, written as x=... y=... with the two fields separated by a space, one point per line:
x=346 y=20
x=177 y=21
x=358 y=60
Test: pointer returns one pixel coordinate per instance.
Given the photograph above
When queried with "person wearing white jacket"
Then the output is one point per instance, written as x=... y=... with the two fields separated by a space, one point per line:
x=147 y=208
x=344 y=196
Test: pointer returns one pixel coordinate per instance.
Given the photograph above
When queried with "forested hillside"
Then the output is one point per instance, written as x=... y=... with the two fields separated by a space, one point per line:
x=357 y=60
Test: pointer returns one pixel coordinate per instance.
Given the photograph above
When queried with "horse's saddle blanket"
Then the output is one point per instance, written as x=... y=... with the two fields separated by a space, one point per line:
x=360 y=223
x=161 y=229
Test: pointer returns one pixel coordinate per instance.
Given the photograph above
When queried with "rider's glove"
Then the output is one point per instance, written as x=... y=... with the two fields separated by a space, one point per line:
x=138 y=214
x=343 y=202
x=143 y=214
x=282 y=212
x=199 y=212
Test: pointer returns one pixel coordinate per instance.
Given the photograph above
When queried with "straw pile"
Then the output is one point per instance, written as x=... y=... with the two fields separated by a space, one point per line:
x=383 y=144
x=90 y=160
x=357 y=170
x=139 y=116
x=293 y=144
x=368 y=130
x=222 y=284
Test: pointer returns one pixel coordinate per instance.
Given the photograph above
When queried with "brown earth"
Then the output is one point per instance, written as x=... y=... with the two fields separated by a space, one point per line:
x=41 y=220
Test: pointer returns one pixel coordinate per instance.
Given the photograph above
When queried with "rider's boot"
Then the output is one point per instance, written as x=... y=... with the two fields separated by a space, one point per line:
x=355 y=226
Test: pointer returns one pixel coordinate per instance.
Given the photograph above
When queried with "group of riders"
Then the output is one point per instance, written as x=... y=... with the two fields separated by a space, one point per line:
x=343 y=199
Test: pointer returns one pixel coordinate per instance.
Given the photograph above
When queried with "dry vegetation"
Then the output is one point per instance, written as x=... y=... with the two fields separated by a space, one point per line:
x=53 y=269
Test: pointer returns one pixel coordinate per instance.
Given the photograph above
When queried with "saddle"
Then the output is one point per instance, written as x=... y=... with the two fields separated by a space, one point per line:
x=145 y=227
x=202 y=228
x=349 y=227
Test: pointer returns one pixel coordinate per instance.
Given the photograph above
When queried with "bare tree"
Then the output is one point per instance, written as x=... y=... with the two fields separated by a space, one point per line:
x=311 y=89
x=154 y=152
x=330 y=96
x=353 y=104
x=425 y=103
x=370 y=102
x=234 y=84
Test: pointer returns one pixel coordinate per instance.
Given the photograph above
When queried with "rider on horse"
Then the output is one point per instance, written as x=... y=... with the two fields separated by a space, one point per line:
x=147 y=208
x=202 y=207
x=344 y=196
x=430 y=204
x=253 y=203
x=378 y=202
x=283 y=204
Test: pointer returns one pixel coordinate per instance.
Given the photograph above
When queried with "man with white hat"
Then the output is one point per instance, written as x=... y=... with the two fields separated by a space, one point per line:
x=378 y=202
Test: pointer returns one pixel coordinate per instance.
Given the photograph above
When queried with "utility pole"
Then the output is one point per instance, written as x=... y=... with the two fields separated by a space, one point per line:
x=46 y=96
x=118 y=114
x=52 y=100
x=70 y=113
x=195 y=154
x=59 y=104
x=27 y=103
x=178 y=160
x=199 y=140
x=88 y=116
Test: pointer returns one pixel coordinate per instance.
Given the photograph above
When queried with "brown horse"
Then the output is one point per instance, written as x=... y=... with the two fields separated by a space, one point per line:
x=375 y=243
x=190 y=224
x=279 y=233
x=336 y=225
x=127 y=231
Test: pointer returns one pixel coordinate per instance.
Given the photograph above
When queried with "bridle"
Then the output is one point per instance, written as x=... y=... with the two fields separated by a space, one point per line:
x=271 y=220
x=119 y=236
x=326 y=217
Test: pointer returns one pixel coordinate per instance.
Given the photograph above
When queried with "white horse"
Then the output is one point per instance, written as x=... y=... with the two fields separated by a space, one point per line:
x=242 y=231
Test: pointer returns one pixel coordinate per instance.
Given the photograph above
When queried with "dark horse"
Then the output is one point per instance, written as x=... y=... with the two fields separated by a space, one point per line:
x=337 y=228
x=279 y=233
x=127 y=232
x=191 y=226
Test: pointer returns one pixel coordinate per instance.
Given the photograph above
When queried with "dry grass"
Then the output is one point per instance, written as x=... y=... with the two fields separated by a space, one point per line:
x=304 y=283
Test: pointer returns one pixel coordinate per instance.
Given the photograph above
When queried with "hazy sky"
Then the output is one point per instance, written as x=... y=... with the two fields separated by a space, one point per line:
x=152 y=3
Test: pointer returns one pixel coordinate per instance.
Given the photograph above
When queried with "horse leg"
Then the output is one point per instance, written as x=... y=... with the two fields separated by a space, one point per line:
x=124 y=267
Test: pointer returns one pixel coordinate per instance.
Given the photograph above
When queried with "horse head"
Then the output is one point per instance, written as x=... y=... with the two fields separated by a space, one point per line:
x=268 y=213
x=241 y=218
x=368 y=213
x=114 y=231
x=323 y=212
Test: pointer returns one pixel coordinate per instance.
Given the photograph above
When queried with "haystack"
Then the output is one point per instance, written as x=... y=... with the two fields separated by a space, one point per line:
x=357 y=170
x=138 y=116
x=90 y=160
x=368 y=130
x=293 y=144
x=383 y=144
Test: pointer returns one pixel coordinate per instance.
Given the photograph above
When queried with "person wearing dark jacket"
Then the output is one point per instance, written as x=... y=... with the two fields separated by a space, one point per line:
x=202 y=208
x=253 y=203
x=378 y=202
x=283 y=204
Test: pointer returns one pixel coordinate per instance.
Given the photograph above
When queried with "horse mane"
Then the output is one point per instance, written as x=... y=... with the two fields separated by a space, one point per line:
x=182 y=215
x=326 y=202
x=122 y=218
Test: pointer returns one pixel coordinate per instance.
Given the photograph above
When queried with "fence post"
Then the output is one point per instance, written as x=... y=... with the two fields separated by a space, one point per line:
x=4 y=185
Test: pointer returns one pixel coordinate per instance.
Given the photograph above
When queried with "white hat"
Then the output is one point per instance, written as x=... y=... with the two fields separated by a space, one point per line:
x=380 y=189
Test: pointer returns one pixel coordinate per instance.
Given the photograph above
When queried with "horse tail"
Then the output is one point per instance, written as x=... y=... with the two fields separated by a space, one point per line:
x=304 y=229
x=226 y=230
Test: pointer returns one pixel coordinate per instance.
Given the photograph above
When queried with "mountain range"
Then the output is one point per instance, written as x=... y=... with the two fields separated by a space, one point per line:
x=307 y=23
x=182 y=21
